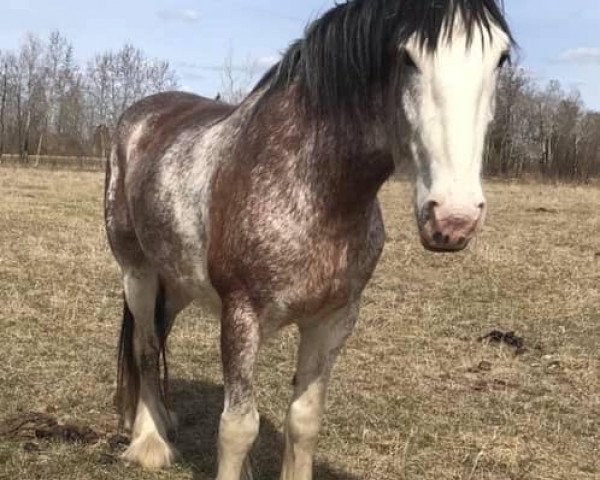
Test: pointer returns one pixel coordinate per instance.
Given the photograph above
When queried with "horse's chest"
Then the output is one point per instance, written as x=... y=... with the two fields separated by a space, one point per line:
x=290 y=251
x=313 y=275
x=333 y=272
x=322 y=274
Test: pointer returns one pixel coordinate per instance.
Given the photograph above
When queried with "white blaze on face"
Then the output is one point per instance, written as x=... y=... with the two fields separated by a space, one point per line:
x=449 y=103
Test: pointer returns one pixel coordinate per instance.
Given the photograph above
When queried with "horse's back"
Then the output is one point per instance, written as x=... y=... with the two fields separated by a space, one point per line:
x=158 y=119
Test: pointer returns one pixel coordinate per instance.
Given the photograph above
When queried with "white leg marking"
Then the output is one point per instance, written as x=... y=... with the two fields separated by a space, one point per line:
x=149 y=447
x=237 y=433
x=302 y=428
x=319 y=348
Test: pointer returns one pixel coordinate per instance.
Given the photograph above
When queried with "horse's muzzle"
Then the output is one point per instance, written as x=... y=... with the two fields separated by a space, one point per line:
x=449 y=231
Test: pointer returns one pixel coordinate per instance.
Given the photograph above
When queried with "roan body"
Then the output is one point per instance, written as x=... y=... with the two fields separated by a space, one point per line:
x=268 y=210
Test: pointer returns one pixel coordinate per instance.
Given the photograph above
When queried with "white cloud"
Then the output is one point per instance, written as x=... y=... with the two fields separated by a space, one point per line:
x=268 y=61
x=188 y=15
x=582 y=56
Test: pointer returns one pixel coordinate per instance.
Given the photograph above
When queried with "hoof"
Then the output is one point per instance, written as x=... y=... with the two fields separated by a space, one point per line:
x=151 y=452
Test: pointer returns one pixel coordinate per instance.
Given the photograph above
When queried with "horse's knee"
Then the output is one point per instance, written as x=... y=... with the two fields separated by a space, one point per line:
x=237 y=432
x=304 y=417
x=301 y=431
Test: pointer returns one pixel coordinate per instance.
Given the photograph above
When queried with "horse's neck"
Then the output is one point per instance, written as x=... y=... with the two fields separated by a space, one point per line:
x=275 y=137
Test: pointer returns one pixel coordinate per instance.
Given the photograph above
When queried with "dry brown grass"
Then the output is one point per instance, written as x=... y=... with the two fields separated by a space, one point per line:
x=415 y=395
x=55 y=161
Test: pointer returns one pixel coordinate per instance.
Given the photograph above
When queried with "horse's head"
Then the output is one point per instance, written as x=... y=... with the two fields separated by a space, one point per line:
x=378 y=66
x=449 y=104
x=448 y=99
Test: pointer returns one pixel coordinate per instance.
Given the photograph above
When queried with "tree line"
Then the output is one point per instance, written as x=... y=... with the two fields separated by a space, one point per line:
x=542 y=131
x=52 y=105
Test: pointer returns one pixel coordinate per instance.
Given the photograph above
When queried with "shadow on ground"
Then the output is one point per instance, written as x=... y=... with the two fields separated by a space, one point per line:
x=198 y=405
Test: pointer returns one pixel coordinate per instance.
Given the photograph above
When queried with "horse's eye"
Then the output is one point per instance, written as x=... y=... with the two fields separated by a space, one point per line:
x=408 y=61
x=504 y=59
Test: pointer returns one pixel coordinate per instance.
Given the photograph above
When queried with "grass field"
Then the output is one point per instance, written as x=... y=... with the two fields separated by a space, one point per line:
x=415 y=394
x=55 y=161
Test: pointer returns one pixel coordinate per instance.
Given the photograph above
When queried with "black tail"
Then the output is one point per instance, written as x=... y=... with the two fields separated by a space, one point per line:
x=161 y=328
x=128 y=378
x=128 y=374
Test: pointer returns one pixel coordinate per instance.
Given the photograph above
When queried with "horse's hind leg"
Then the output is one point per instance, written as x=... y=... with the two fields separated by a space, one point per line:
x=319 y=347
x=143 y=337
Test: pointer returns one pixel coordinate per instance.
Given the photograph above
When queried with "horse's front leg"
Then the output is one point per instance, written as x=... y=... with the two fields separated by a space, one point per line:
x=319 y=347
x=240 y=340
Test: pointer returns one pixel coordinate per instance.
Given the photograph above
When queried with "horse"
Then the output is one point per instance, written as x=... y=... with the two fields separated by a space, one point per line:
x=267 y=211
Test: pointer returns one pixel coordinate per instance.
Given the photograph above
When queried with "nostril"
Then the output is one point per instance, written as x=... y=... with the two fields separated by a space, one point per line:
x=462 y=240
x=438 y=238
x=481 y=206
x=428 y=212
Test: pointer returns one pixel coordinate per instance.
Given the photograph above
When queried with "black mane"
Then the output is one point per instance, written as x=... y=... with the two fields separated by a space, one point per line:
x=347 y=53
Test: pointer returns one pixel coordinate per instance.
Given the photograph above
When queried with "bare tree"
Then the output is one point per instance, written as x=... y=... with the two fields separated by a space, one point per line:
x=117 y=79
x=589 y=145
x=544 y=132
x=237 y=80
x=3 y=107
x=48 y=104
x=505 y=145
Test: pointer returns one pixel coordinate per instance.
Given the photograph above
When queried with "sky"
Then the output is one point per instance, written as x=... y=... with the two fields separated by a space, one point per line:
x=557 y=39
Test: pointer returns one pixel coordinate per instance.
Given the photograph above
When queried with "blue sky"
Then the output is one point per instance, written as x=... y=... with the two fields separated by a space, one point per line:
x=558 y=39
